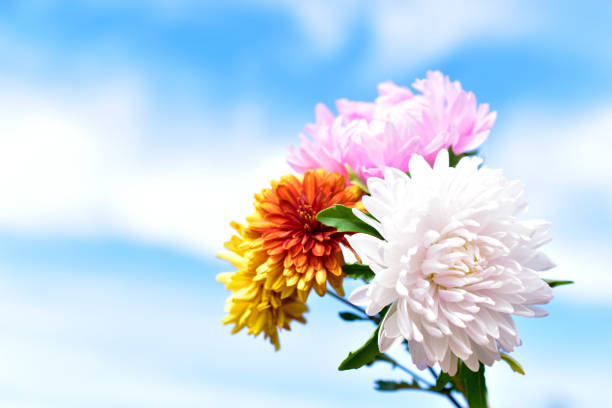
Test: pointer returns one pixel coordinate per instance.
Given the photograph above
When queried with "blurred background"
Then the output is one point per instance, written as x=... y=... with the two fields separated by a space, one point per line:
x=132 y=132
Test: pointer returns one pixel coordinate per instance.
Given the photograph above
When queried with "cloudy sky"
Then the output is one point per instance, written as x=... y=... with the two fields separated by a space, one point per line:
x=132 y=132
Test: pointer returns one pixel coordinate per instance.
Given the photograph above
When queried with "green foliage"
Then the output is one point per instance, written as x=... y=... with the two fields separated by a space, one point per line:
x=356 y=180
x=358 y=271
x=474 y=384
x=343 y=219
x=362 y=356
x=386 y=359
x=553 y=283
x=385 y=385
x=442 y=380
x=349 y=316
x=453 y=159
x=514 y=365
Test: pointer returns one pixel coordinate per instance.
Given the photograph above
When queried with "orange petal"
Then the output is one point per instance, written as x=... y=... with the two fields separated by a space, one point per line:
x=309 y=185
x=318 y=249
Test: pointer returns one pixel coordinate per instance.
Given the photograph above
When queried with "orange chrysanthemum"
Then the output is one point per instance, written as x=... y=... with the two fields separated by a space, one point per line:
x=302 y=253
x=284 y=251
x=250 y=304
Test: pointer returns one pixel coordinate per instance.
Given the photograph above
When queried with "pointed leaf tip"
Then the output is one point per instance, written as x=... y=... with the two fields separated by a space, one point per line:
x=514 y=365
x=358 y=271
x=554 y=283
x=363 y=355
x=350 y=316
x=343 y=219
x=355 y=180
x=385 y=385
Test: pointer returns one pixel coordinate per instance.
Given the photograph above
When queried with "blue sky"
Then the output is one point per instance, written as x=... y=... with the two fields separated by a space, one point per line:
x=132 y=132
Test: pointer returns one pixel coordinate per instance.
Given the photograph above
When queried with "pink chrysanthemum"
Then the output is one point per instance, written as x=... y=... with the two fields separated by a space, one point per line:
x=386 y=133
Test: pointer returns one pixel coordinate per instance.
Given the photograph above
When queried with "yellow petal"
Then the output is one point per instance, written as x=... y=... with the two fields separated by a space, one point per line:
x=321 y=276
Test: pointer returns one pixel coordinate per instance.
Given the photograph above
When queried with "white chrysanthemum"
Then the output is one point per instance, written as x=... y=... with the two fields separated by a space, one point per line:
x=455 y=262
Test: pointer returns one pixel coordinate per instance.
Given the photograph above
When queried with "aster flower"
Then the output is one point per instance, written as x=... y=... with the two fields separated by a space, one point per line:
x=455 y=262
x=371 y=136
x=301 y=253
x=250 y=304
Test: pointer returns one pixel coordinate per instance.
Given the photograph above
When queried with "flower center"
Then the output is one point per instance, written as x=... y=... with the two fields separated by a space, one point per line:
x=471 y=262
x=308 y=216
x=453 y=261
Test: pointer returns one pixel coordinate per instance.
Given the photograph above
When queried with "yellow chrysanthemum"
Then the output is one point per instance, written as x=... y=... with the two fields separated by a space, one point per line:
x=250 y=304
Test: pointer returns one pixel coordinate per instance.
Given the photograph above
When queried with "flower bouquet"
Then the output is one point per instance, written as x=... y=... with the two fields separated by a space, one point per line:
x=435 y=238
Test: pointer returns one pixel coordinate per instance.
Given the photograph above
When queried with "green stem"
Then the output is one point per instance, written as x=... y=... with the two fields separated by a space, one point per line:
x=417 y=377
x=433 y=373
x=472 y=385
x=452 y=400
x=393 y=362
x=357 y=308
x=446 y=393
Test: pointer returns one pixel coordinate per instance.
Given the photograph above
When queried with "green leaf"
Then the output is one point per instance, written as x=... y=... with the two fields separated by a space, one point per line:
x=514 y=365
x=454 y=159
x=343 y=219
x=475 y=385
x=384 y=385
x=358 y=271
x=349 y=316
x=362 y=356
x=383 y=358
x=386 y=359
x=442 y=380
x=552 y=283
x=355 y=179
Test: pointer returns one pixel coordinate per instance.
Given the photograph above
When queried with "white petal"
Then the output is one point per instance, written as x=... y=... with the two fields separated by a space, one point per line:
x=449 y=364
x=389 y=335
x=541 y=262
x=456 y=261
x=360 y=296
x=538 y=311
x=472 y=362
x=367 y=247
x=417 y=351
x=367 y=219
x=418 y=166
x=386 y=343
x=442 y=160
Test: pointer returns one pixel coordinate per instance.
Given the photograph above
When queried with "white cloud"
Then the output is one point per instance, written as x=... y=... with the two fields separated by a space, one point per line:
x=55 y=151
x=553 y=383
x=409 y=33
x=564 y=160
x=559 y=150
x=74 y=339
x=326 y=24
x=83 y=163
x=586 y=263
x=70 y=167
x=401 y=34
x=97 y=342
x=404 y=34
x=189 y=200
